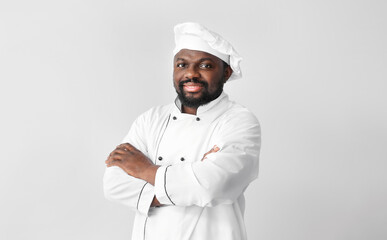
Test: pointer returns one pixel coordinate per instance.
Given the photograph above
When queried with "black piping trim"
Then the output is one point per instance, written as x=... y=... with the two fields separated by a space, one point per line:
x=161 y=137
x=165 y=184
x=146 y=220
x=139 y=196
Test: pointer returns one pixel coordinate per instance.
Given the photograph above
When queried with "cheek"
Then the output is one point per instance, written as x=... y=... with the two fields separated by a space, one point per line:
x=175 y=80
x=176 y=74
x=215 y=83
x=177 y=77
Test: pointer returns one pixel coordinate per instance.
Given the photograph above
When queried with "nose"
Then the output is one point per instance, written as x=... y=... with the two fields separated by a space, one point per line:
x=192 y=73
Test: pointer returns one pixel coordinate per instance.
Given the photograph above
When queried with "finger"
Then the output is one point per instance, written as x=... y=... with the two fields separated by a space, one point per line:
x=114 y=152
x=114 y=163
x=213 y=150
x=205 y=155
x=114 y=156
x=111 y=153
x=120 y=151
x=110 y=160
x=127 y=146
x=121 y=147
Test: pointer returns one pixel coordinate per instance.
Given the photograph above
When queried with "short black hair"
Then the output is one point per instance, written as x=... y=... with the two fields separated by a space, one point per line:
x=225 y=65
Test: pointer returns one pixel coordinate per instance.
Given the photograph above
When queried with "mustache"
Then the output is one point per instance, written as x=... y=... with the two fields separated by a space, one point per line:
x=194 y=80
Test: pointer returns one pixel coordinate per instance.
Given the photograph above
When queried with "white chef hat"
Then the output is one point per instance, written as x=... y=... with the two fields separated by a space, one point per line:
x=194 y=36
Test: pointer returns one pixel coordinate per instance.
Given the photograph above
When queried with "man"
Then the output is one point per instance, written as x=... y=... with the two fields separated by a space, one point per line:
x=184 y=167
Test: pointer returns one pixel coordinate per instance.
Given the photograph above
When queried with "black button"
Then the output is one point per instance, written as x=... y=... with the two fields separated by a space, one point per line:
x=197 y=119
x=174 y=118
x=182 y=159
x=160 y=158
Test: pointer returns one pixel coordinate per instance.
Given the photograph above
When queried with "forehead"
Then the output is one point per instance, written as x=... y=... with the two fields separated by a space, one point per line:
x=195 y=55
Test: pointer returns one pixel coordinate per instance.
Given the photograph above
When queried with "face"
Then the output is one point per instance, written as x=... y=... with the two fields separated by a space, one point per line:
x=198 y=77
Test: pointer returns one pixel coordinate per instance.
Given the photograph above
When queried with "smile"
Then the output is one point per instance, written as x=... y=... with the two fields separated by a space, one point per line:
x=192 y=87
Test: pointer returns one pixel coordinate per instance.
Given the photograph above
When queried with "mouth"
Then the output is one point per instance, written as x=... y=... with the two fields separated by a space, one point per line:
x=192 y=87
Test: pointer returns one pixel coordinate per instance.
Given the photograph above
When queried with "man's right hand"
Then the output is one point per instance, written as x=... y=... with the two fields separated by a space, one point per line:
x=133 y=162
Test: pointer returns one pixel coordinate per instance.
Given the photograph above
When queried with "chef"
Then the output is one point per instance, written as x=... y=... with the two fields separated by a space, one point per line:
x=183 y=167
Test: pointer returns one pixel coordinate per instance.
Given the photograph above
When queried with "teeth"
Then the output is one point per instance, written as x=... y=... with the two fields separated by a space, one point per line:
x=192 y=87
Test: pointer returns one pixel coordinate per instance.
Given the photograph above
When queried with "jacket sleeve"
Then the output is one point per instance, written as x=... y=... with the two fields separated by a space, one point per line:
x=223 y=176
x=120 y=187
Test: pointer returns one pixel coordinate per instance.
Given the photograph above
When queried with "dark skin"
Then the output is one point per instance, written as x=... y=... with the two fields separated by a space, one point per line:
x=134 y=163
x=188 y=64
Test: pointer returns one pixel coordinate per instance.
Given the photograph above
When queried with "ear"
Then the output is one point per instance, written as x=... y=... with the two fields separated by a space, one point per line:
x=227 y=73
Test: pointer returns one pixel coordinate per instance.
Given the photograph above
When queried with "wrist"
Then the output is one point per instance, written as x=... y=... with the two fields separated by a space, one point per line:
x=149 y=174
x=155 y=202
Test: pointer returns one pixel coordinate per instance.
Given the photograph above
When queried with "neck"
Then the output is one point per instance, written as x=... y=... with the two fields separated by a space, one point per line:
x=188 y=110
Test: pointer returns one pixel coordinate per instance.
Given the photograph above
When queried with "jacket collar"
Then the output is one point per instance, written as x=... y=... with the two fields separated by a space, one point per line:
x=202 y=109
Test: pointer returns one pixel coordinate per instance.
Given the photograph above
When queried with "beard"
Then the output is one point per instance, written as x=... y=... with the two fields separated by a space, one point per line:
x=206 y=96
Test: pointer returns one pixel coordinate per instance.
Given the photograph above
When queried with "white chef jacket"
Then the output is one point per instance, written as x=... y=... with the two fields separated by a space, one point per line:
x=202 y=200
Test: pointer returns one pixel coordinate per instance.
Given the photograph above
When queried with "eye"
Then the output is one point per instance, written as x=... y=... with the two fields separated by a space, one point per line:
x=180 y=65
x=205 y=65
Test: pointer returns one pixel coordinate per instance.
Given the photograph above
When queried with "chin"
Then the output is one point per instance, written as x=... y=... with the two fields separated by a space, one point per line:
x=193 y=95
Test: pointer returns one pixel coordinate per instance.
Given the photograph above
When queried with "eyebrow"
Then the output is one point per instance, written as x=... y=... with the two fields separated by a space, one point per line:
x=200 y=60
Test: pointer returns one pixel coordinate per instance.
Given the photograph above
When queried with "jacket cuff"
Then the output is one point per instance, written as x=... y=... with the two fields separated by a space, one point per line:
x=145 y=198
x=161 y=186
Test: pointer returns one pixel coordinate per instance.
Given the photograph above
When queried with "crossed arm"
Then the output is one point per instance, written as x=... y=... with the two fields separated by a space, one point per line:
x=133 y=180
x=137 y=165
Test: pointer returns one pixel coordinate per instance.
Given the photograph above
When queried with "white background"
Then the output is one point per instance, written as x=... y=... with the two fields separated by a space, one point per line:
x=75 y=74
